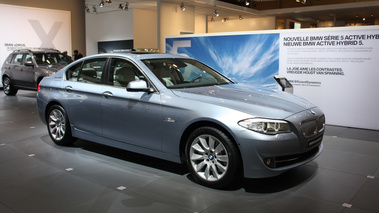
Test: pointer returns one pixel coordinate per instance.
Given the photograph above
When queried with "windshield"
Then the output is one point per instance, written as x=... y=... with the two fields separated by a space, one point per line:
x=183 y=73
x=51 y=59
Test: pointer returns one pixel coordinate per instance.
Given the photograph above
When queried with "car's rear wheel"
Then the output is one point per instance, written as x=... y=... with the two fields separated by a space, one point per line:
x=212 y=157
x=58 y=126
x=8 y=87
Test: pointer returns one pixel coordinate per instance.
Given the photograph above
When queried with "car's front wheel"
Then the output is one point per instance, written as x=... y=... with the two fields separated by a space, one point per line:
x=212 y=157
x=8 y=87
x=58 y=126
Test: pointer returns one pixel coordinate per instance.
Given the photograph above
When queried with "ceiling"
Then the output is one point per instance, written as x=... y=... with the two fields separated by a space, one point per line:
x=358 y=11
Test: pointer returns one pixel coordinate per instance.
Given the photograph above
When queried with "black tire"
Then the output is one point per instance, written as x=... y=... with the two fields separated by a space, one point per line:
x=8 y=87
x=58 y=126
x=212 y=158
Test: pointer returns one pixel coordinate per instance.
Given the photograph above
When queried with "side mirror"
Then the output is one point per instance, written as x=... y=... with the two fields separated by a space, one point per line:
x=138 y=86
x=29 y=64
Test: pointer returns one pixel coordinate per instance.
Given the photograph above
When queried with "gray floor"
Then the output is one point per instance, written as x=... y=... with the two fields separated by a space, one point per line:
x=38 y=176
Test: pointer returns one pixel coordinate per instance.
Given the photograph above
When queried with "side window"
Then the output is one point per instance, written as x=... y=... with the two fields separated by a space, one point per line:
x=92 y=71
x=72 y=73
x=122 y=72
x=17 y=60
x=28 y=58
x=89 y=71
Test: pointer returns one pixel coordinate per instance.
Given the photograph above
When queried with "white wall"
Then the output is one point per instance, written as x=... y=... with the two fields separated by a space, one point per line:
x=145 y=29
x=174 y=21
x=111 y=26
x=200 y=24
x=267 y=23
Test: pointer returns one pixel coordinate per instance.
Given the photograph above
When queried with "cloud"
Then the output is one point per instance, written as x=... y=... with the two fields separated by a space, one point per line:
x=248 y=58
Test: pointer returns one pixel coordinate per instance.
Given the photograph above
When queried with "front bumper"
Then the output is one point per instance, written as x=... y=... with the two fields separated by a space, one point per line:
x=270 y=155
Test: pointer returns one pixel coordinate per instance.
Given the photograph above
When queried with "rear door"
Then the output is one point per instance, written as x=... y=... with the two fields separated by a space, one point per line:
x=83 y=91
x=15 y=69
x=27 y=73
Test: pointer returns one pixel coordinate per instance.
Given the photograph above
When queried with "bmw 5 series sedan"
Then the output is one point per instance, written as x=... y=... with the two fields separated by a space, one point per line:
x=181 y=110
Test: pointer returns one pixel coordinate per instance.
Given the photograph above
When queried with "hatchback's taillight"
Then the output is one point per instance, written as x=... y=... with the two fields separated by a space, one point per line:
x=39 y=87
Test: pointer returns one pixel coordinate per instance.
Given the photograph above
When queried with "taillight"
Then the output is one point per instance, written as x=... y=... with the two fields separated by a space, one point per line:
x=39 y=87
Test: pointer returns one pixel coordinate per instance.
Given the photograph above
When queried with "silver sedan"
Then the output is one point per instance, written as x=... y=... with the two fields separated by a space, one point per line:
x=179 y=109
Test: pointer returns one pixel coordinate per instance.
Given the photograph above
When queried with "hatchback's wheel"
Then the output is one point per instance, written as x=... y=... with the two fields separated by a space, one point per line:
x=8 y=87
x=212 y=158
x=59 y=126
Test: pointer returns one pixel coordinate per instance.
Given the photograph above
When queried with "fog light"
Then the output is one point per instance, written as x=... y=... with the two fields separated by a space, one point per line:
x=270 y=162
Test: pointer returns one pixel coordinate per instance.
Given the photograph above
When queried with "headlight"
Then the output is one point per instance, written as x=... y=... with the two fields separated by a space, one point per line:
x=265 y=126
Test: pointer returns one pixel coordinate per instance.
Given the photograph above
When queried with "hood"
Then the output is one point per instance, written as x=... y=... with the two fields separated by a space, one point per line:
x=248 y=99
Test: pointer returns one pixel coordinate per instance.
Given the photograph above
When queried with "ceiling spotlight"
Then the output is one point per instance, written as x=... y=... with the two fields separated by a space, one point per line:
x=101 y=3
x=212 y=19
x=108 y=1
x=122 y=7
x=302 y=1
x=216 y=13
x=87 y=9
x=225 y=19
x=240 y=17
x=182 y=7
x=247 y=2
x=364 y=19
x=94 y=9
x=126 y=6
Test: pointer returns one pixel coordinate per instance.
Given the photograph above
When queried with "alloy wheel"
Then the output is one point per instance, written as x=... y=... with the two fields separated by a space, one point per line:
x=209 y=157
x=57 y=124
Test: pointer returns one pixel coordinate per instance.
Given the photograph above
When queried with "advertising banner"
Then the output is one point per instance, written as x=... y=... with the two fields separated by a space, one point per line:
x=334 y=68
x=25 y=27
x=251 y=58
x=337 y=69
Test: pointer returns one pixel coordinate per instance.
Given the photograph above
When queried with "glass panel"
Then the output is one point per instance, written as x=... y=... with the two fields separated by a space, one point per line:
x=51 y=58
x=17 y=59
x=122 y=72
x=92 y=71
x=72 y=73
x=181 y=73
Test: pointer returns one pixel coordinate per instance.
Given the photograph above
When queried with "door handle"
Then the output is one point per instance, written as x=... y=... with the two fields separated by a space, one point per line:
x=68 y=88
x=107 y=94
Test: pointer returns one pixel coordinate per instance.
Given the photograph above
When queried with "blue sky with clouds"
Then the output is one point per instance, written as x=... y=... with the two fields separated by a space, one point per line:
x=252 y=58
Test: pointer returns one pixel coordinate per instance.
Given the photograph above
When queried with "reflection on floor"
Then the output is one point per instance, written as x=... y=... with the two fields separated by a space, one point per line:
x=38 y=176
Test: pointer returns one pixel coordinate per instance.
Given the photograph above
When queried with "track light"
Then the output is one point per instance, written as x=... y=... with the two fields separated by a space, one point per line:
x=240 y=17
x=122 y=7
x=225 y=19
x=216 y=13
x=212 y=19
x=126 y=6
x=247 y=2
x=101 y=3
x=182 y=7
x=108 y=1
x=87 y=9
x=94 y=9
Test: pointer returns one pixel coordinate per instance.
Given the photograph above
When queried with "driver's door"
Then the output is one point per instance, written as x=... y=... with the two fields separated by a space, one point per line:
x=130 y=117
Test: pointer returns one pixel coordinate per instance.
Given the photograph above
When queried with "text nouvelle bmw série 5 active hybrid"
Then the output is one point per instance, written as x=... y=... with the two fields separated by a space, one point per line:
x=178 y=109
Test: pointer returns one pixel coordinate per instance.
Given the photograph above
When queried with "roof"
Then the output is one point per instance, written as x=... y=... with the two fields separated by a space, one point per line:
x=37 y=50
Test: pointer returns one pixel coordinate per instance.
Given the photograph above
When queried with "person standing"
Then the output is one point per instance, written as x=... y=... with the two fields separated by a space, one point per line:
x=77 y=55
